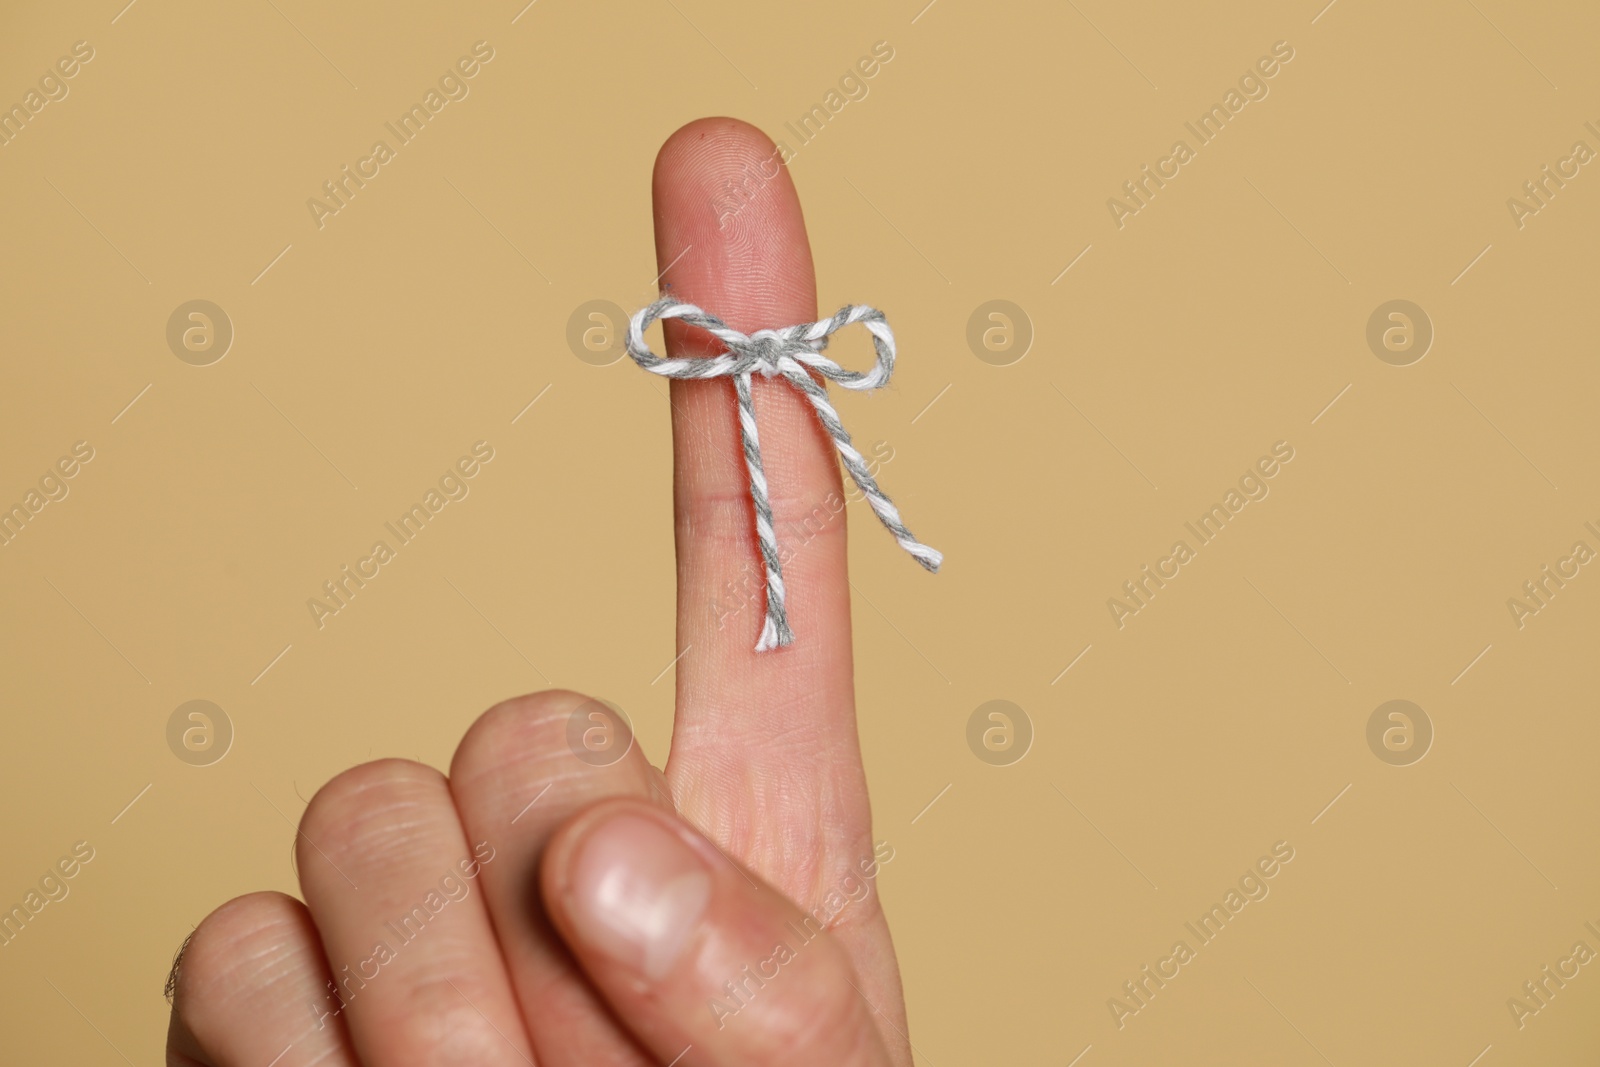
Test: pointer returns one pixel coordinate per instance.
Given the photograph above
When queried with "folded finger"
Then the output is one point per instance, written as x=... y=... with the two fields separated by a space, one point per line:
x=391 y=880
x=524 y=768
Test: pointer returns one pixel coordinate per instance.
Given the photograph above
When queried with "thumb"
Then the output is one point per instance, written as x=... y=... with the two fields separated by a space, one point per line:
x=707 y=966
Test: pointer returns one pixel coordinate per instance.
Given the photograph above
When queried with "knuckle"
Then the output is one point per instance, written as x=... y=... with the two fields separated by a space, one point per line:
x=522 y=748
x=234 y=948
x=366 y=808
x=518 y=740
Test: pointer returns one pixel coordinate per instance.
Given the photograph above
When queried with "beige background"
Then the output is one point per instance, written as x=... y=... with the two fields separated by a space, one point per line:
x=1224 y=317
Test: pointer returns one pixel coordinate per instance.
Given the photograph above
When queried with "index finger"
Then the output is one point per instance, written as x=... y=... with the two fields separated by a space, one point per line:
x=731 y=239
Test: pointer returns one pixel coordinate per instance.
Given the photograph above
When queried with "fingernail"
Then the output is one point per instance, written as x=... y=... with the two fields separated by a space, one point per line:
x=636 y=892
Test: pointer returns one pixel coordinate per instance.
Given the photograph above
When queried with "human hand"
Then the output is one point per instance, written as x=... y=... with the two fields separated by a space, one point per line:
x=534 y=907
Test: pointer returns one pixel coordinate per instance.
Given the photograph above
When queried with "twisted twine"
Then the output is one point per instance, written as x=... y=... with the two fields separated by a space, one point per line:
x=786 y=353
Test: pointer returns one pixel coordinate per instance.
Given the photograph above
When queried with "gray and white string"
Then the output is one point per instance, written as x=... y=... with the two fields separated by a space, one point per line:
x=785 y=353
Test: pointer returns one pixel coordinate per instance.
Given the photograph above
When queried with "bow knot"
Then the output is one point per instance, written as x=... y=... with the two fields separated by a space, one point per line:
x=763 y=349
x=789 y=353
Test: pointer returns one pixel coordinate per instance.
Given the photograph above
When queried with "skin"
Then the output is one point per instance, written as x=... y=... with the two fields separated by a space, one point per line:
x=587 y=914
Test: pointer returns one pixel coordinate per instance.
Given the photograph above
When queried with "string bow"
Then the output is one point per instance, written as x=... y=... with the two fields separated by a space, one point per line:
x=787 y=353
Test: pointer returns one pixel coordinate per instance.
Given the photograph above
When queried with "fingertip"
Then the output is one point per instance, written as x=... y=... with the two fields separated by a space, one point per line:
x=700 y=154
x=724 y=129
x=730 y=234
